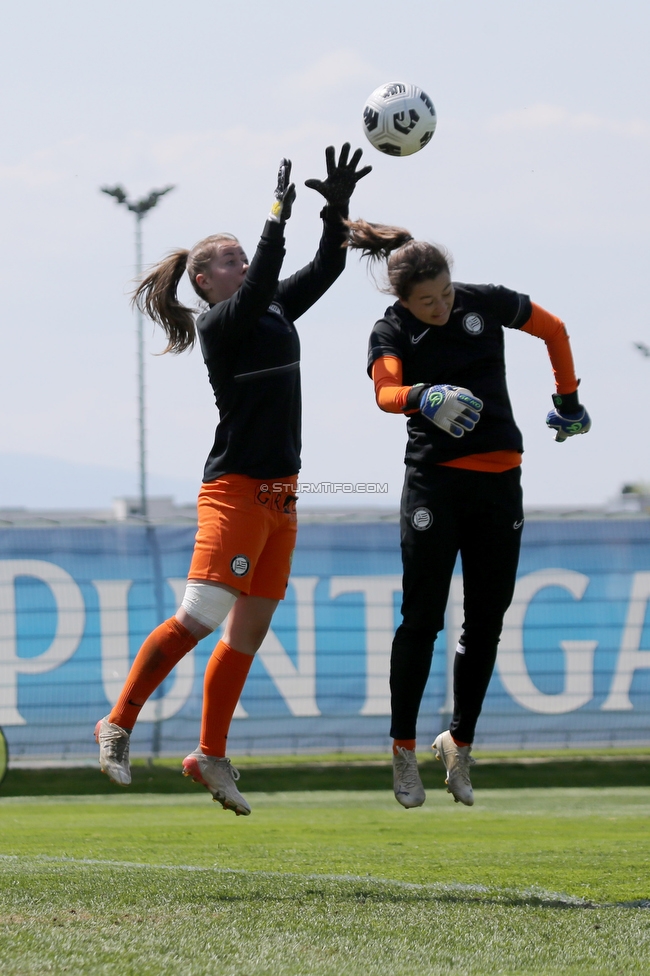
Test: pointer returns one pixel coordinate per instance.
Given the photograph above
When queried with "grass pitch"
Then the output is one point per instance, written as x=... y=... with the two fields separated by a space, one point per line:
x=339 y=771
x=527 y=881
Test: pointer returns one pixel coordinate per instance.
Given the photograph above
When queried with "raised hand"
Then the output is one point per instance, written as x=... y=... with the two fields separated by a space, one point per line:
x=285 y=193
x=342 y=177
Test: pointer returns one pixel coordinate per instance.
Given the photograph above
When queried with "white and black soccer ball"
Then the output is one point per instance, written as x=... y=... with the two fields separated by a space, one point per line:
x=399 y=119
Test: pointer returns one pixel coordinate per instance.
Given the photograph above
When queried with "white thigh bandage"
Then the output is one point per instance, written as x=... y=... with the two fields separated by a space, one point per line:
x=208 y=605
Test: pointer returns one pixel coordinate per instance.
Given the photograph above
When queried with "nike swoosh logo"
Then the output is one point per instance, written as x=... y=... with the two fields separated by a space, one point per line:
x=416 y=339
x=518 y=525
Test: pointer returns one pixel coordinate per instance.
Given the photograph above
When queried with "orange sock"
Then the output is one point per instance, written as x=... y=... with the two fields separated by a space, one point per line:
x=225 y=677
x=460 y=744
x=161 y=651
x=403 y=744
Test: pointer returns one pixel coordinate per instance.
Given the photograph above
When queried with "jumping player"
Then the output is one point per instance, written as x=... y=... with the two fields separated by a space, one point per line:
x=437 y=355
x=246 y=530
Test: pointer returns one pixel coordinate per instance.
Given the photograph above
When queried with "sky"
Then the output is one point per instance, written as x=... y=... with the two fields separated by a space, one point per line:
x=536 y=178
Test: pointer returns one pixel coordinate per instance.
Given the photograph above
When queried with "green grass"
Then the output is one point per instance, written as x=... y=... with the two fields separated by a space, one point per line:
x=527 y=881
x=337 y=772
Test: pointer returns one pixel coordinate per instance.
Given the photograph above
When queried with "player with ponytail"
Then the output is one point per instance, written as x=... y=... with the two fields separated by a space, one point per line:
x=246 y=508
x=437 y=356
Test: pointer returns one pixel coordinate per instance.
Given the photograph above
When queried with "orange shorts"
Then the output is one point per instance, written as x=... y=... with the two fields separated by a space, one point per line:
x=247 y=534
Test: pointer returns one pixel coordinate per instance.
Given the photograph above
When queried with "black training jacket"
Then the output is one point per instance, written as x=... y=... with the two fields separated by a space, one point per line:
x=468 y=351
x=251 y=349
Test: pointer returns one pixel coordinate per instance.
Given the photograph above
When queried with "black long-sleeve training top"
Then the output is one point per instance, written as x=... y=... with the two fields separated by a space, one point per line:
x=468 y=351
x=252 y=351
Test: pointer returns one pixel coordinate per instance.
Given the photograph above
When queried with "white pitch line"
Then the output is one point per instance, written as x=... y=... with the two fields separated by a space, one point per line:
x=433 y=888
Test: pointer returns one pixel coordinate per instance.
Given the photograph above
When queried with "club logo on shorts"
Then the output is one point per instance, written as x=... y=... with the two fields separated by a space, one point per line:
x=421 y=519
x=473 y=323
x=240 y=565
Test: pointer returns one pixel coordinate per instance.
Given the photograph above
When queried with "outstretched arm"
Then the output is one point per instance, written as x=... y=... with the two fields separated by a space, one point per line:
x=299 y=292
x=230 y=320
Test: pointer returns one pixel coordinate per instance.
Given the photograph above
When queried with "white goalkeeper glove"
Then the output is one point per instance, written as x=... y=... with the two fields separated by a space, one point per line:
x=451 y=408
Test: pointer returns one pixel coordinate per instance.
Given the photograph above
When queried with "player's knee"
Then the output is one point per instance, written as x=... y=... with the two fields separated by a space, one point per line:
x=209 y=605
x=479 y=641
x=418 y=635
x=410 y=642
x=252 y=640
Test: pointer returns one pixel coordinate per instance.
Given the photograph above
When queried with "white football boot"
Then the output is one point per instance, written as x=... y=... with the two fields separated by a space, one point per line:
x=457 y=761
x=219 y=777
x=113 y=751
x=407 y=784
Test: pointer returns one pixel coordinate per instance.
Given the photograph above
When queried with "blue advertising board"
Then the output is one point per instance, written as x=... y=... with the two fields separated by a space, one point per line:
x=76 y=602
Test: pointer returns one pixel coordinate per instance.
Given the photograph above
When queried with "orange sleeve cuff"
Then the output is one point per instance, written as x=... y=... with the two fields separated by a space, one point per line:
x=390 y=393
x=553 y=331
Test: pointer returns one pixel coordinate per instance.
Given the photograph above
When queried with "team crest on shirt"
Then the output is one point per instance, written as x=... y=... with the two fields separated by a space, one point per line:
x=421 y=519
x=240 y=565
x=473 y=323
x=274 y=307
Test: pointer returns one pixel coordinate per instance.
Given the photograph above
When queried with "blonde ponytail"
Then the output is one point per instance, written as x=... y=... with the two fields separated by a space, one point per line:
x=156 y=295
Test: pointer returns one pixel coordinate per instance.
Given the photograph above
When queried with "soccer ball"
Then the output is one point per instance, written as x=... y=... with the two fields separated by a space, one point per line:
x=399 y=119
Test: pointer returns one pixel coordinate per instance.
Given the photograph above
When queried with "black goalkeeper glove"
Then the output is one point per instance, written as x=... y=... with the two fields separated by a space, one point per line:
x=342 y=178
x=285 y=194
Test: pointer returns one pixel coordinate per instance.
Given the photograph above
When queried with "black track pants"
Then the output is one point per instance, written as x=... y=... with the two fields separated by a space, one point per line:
x=445 y=511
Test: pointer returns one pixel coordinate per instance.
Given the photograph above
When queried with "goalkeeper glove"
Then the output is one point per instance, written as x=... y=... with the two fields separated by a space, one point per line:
x=568 y=416
x=342 y=178
x=451 y=408
x=285 y=194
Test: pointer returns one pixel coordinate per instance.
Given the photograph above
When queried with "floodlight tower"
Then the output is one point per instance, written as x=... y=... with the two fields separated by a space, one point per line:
x=140 y=208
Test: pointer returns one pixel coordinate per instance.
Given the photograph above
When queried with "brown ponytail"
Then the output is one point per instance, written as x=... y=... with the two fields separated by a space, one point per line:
x=408 y=261
x=156 y=295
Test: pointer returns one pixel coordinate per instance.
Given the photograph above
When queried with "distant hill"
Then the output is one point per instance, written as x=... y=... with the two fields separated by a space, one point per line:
x=30 y=481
